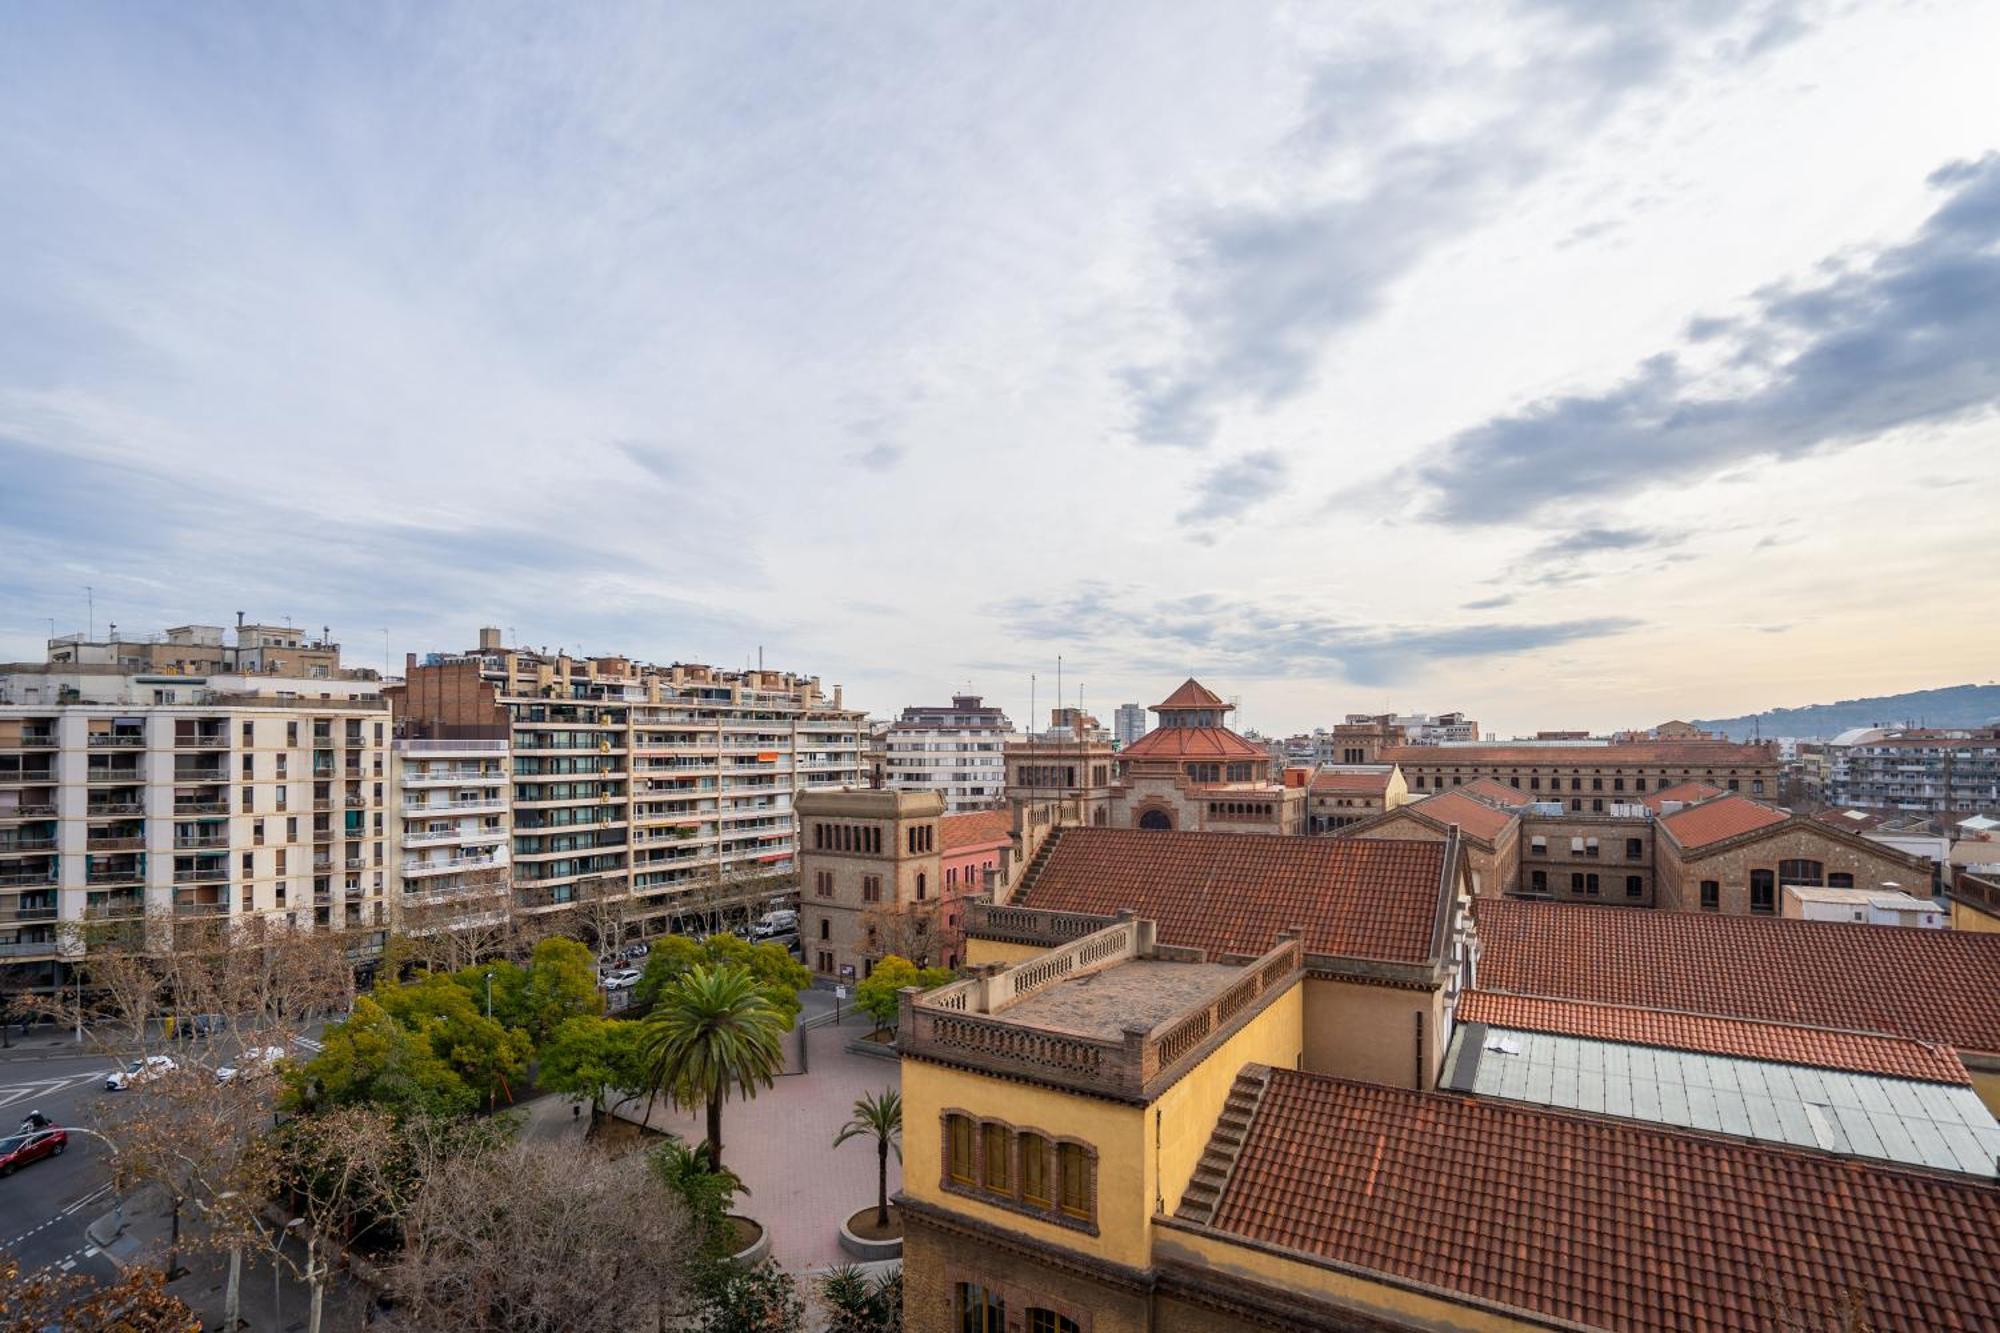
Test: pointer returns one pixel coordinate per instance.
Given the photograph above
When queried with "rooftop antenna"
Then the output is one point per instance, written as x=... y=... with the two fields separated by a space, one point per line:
x=1059 y=693
x=90 y=612
x=385 y=650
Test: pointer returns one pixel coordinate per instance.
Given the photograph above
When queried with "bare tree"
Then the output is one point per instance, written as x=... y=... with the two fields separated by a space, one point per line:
x=541 y=1239
x=338 y=1171
x=482 y=921
x=912 y=932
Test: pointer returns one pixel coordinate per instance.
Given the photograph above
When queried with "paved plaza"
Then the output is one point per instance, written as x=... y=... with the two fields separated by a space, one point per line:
x=801 y=1187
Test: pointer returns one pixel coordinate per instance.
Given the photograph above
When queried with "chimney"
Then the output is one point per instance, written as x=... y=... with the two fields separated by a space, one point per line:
x=489 y=638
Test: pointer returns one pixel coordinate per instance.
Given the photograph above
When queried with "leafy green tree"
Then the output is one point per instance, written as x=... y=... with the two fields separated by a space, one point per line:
x=372 y=1059
x=713 y=1032
x=707 y=1193
x=674 y=956
x=878 y=1116
x=877 y=995
x=590 y=1056
x=509 y=980
x=561 y=984
x=490 y=1057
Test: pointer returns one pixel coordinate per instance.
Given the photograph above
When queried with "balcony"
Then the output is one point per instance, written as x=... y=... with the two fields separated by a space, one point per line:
x=14 y=912
x=217 y=806
x=188 y=842
x=201 y=776
x=97 y=808
x=114 y=842
x=112 y=777
x=322 y=833
x=447 y=865
x=27 y=948
x=29 y=879
x=199 y=907
x=414 y=810
x=105 y=740
x=455 y=778
x=115 y=875
x=356 y=800
x=200 y=874
x=114 y=906
x=202 y=740
x=18 y=846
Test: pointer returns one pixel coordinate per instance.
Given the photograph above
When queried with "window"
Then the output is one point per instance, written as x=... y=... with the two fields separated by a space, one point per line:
x=825 y=929
x=1597 y=784
x=1534 y=784
x=1635 y=886
x=249 y=765
x=1757 y=787
x=871 y=888
x=249 y=799
x=1590 y=886
x=920 y=886
x=1035 y=1170
x=1840 y=880
x=1576 y=881
x=1763 y=891
x=823 y=883
x=249 y=733
x=1638 y=784
x=291 y=733
x=1576 y=784
x=1732 y=784
x=257 y=833
x=1801 y=872
x=1576 y=805
x=1048 y=1321
x=1711 y=895
x=1538 y=880
x=1597 y=804
x=825 y=958
x=979 y=1310
x=1618 y=784
x=1073 y=1169
x=958 y=1135
x=1539 y=845
x=994 y=1140
x=1635 y=849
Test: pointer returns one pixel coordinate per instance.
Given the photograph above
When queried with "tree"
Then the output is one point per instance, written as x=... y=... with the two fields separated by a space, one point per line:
x=488 y=1056
x=712 y=1032
x=342 y=1172
x=910 y=931
x=590 y=1056
x=674 y=956
x=856 y=1303
x=704 y=1191
x=560 y=984
x=373 y=1059
x=541 y=1239
x=877 y=1115
x=763 y=1299
x=136 y=1302
x=878 y=997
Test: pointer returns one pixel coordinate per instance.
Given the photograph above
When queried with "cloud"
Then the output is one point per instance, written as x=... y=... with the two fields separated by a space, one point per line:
x=1264 y=287
x=1233 y=487
x=1244 y=639
x=880 y=457
x=1488 y=603
x=1904 y=339
x=1597 y=540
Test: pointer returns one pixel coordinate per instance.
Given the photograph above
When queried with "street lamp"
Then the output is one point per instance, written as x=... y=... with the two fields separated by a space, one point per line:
x=489 y=993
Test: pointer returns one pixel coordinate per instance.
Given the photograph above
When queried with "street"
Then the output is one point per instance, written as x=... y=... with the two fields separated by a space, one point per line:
x=45 y=1206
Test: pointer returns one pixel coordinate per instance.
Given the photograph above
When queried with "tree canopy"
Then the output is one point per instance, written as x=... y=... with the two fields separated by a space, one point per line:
x=673 y=956
x=876 y=995
x=594 y=1057
x=373 y=1058
x=489 y=1056
x=714 y=1031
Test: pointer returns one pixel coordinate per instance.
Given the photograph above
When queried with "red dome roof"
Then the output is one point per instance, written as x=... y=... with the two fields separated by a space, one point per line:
x=1192 y=743
x=1192 y=694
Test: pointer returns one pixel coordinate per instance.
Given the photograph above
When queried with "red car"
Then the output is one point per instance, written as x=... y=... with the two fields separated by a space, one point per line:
x=17 y=1150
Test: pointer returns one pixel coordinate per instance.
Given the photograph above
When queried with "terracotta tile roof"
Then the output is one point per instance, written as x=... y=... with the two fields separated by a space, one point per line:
x=1678 y=754
x=1933 y=985
x=1234 y=892
x=1192 y=743
x=1607 y=1223
x=1784 y=1043
x=1496 y=793
x=1363 y=782
x=1719 y=818
x=1477 y=818
x=1192 y=694
x=1687 y=793
x=972 y=830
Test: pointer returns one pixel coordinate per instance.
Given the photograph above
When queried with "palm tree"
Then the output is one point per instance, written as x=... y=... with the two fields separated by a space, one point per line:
x=713 y=1030
x=879 y=1116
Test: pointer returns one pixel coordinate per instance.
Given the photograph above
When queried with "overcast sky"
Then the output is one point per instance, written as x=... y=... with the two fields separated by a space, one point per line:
x=1571 y=364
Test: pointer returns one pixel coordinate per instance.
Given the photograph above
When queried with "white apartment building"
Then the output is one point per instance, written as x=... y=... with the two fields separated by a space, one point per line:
x=132 y=798
x=667 y=788
x=1918 y=770
x=957 y=751
x=453 y=823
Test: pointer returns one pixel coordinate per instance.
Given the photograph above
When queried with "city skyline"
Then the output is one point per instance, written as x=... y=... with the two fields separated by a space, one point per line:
x=1565 y=370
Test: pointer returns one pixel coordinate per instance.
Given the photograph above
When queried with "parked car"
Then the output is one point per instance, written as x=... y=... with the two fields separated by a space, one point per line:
x=256 y=1061
x=778 y=922
x=17 y=1150
x=139 y=1071
x=637 y=951
x=624 y=978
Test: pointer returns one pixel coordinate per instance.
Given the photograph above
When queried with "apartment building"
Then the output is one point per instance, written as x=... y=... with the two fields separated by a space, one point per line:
x=1934 y=771
x=1128 y=724
x=137 y=790
x=956 y=750
x=454 y=827
x=667 y=789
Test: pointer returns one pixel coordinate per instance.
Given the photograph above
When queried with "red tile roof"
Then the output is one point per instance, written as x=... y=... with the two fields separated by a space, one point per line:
x=1496 y=793
x=1677 y=754
x=1607 y=1223
x=1687 y=793
x=1719 y=818
x=975 y=829
x=1784 y=1043
x=1933 y=985
x=1192 y=743
x=1234 y=892
x=1193 y=694
x=1364 y=783
x=1477 y=818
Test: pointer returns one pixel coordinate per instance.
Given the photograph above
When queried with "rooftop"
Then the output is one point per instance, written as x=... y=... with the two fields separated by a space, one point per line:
x=1496 y=793
x=1931 y=985
x=1138 y=991
x=1193 y=743
x=1684 y=793
x=975 y=829
x=1236 y=892
x=1368 y=780
x=1193 y=694
x=1476 y=818
x=1606 y=1223
x=1718 y=819
x=1782 y=1043
x=1938 y=1125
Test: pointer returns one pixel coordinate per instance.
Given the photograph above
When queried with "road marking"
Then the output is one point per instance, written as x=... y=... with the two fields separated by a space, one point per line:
x=309 y=1044
x=89 y=1198
x=12 y=1093
x=66 y=1265
x=90 y=1251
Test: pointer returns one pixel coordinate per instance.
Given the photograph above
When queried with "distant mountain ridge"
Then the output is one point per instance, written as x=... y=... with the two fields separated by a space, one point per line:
x=1951 y=706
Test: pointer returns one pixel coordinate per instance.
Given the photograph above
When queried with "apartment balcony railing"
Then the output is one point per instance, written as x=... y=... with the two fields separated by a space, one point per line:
x=356 y=800
x=107 y=741
x=213 y=740
x=188 y=842
x=16 y=846
x=218 y=806
x=12 y=913
x=414 y=810
x=200 y=874
x=452 y=747
x=27 y=948
x=322 y=834
x=455 y=778
x=37 y=879
x=115 y=875
x=115 y=907
x=96 y=808
x=201 y=907
x=446 y=865
x=111 y=777
x=201 y=777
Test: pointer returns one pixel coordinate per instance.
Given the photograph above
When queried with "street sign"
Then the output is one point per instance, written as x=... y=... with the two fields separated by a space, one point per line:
x=840 y=992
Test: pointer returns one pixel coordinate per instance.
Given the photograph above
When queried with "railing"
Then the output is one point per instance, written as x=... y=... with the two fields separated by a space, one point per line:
x=219 y=807
x=106 y=741
x=26 y=948
x=1976 y=891
x=451 y=747
x=412 y=809
x=19 y=845
x=101 y=808
x=212 y=741
x=29 y=878
x=451 y=863
x=455 y=778
x=201 y=874
x=201 y=776
x=124 y=876
x=107 y=911
x=109 y=777
x=201 y=908
x=1030 y=925
x=27 y=913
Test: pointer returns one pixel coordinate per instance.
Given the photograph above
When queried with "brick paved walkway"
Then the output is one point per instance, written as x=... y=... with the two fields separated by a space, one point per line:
x=801 y=1187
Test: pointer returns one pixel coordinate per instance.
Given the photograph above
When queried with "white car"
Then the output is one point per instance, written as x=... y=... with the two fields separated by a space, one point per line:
x=257 y=1060
x=623 y=979
x=139 y=1071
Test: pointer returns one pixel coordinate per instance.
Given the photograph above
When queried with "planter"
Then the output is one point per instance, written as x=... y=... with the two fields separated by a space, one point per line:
x=860 y=1240
x=881 y=1045
x=753 y=1242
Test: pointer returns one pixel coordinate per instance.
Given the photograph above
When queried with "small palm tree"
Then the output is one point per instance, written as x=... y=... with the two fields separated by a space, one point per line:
x=713 y=1031
x=707 y=1193
x=879 y=1116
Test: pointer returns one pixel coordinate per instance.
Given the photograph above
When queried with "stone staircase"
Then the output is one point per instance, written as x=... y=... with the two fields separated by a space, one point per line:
x=1026 y=884
x=1218 y=1161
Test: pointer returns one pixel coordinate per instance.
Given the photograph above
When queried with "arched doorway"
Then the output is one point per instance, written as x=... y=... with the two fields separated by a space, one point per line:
x=1158 y=819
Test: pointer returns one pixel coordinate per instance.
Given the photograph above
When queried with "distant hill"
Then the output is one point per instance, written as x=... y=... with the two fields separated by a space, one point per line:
x=1952 y=706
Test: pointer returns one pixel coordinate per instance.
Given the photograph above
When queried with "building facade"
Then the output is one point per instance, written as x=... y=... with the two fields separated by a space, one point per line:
x=1930 y=771
x=1590 y=778
x=1128 y=724
x=957 y=751
x=1343 y=794
x=1192 y=773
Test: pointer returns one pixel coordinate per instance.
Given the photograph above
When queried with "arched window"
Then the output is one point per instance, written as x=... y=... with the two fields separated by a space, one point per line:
x=1801 y=872
x=1763 y=891
x=1035 y=1171
x=920 y=886
x=980 y=1309
x=1158 y=819
x=1048 y=1321
x=961 y=1166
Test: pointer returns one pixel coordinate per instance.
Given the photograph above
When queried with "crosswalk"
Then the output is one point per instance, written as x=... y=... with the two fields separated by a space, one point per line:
x=12 y=1093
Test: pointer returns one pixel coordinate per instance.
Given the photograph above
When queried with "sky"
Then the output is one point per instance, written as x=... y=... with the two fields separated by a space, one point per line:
x=1567 y=363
